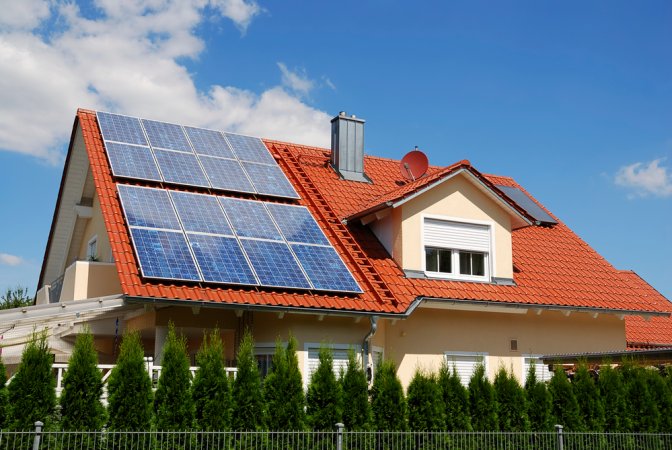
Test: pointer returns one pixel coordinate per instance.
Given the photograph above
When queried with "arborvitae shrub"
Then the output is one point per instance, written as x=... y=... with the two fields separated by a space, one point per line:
x=661 y=394
x=591 y=407
x=455 y=399
x=644 y=414
x=482 y=404
x=81 y=408
x=4 y=401
x=565 y=410
x=130 y=388
x=275 y=392
x=612 y=390
x=539 y=402
x=356 y=407
x=173 y=403
x=295 y=398
x=323 y=401
x=211 y=391
x=511 y=402
x=387 y=399
x=425 y=403
x=32 y=392
x=248 y=401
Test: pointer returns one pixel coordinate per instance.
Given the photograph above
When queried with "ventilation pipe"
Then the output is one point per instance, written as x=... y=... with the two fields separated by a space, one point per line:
x=347 y=147
x=365 y=348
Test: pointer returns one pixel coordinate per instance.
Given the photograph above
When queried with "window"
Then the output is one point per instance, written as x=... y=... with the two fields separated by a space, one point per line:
x=340 y=353
x=456 y=249
x=264 y=357
x=540 y=369
x=465 y=364
x=92 y=249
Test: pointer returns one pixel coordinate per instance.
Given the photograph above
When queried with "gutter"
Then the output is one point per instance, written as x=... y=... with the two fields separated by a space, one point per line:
x=365 y=348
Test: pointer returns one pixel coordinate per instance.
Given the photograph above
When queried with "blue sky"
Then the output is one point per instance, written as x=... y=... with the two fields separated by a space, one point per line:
x=573 y=99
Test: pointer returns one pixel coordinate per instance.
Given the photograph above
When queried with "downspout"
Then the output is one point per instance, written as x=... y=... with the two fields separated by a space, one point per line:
x=365 y=348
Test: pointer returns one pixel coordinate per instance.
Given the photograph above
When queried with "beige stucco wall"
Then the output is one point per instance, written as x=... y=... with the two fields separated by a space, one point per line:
x=88 y=279
x=423 y=339
x=456 y=198
x=96 y=227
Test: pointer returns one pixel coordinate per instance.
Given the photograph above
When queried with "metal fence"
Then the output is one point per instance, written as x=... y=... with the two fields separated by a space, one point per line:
x=339 y=439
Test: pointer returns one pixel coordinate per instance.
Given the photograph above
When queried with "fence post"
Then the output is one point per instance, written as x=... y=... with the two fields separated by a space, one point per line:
x=38 y=435
x=561 y=444
x=339 y=436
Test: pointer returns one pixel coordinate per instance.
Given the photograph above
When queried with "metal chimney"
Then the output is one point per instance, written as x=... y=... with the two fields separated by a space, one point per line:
x=347 y=147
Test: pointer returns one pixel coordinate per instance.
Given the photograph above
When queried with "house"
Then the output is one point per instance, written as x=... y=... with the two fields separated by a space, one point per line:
x=335 y=247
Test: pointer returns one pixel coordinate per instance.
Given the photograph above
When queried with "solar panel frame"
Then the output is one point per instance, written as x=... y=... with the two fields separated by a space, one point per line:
x=157 y=251
x=287 y=218
x=269 y=180
x=325 y=269
x=166 y=135
x=147 y=207
x=222 y=252
x=181 y=168
x=275 y=264
x=525 y=201
x=200 y=213
x=132 y=161
x=120 y=128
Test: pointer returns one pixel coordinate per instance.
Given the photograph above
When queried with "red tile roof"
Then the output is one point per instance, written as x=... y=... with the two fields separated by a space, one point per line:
x=655 y=332
x=555 y=266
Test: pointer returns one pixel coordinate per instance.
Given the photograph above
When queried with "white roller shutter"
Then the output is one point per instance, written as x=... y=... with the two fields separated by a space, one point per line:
x=465 y=364
x=457 y=235
x=540 y=369
x=340 y=360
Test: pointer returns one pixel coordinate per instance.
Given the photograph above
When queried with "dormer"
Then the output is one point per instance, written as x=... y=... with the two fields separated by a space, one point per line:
x=452 y=224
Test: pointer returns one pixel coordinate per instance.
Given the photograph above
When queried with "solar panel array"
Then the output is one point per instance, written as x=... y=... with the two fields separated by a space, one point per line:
x=525 y=202
x=159 y=151
x=198 y=237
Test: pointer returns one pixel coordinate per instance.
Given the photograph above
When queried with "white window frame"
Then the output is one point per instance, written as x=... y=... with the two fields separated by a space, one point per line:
x=455 y=253
x=308 y=346
x=93 y=243
x=448 y=359
x=538 y=362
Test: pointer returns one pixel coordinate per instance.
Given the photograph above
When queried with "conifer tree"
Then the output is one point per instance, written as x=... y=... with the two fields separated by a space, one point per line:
x=32 y=392
x=81 y=408
x=387 y=399
x=173 y=404
x=612 y=390
x=274 y=390
x=130 y=388
x=455 y=399
x=356 y=406
x=591 y=406
x=539 y=402
x=4 y=401
x=644 y=413
x=482 y=403
x=324 y=398
x=294 y=396
x=248 y=401
x=511 y=402
x=425 y=403
x=211 y=391
x=661 y=394
x=565 y=410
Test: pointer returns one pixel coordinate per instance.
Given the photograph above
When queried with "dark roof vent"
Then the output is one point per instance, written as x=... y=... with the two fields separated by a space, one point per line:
x=347 y=147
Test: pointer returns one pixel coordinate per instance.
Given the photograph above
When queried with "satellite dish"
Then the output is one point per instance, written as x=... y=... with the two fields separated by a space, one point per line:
x=414 y=165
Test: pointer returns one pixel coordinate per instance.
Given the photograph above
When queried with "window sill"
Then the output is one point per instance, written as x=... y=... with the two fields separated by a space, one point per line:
x=456 y=277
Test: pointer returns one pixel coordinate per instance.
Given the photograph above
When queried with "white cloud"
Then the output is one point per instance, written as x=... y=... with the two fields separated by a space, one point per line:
x=24 y=14
x=129 y=60
x=646 y=178
x=296 y=80
x=10 y=260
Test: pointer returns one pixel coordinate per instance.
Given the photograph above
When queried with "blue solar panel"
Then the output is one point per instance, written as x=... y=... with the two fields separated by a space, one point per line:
x=270 y=180
x=250 y=219
x=181 y=168
x=221 y=260
x=164 y=254
x=249 y=148
x=121 y=128
x=274 y=264
x=200 y=213
x=297 y=224
x=226 y=174
x=325 y=269
x=166 y=135
x=145 y=207
x=525 y=202
x=209 y=142
x=132 y=161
